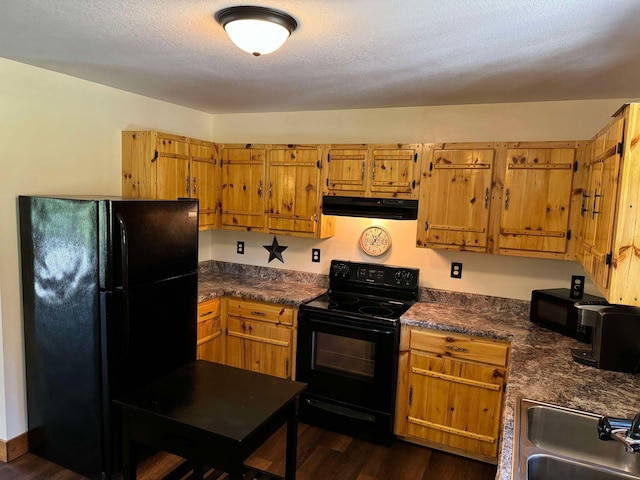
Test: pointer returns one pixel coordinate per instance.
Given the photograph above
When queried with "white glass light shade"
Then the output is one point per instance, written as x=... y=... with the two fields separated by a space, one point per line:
x=257 y=37
x=257 y=30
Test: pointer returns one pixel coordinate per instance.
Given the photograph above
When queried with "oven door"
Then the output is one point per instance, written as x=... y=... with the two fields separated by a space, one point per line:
x=348 y=360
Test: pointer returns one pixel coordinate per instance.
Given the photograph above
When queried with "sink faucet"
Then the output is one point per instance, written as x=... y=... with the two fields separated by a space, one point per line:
x=624 y=430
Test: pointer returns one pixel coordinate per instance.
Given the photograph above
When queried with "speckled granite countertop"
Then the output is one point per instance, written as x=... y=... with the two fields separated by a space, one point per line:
x=541 y=367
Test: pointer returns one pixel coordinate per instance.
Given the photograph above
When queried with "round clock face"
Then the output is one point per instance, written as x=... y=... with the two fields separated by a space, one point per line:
x=375 y=241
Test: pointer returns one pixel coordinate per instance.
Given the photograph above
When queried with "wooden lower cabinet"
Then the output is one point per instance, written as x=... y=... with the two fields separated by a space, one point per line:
x=210 y=343
x=450 y=389
x=260 y=336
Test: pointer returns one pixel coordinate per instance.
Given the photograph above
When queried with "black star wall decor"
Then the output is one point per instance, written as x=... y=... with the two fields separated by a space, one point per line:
x=275 y=250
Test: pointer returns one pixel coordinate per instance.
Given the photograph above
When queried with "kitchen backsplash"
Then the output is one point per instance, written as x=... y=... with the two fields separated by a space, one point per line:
x=480 y=303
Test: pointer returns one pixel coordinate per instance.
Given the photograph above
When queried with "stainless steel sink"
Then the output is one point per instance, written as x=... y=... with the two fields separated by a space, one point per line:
x=552 y=442
x=548 y=467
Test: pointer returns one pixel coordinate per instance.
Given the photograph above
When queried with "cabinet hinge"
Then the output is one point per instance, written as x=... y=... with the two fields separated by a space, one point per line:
x=410 y=394
x=319 y=165
x=430 y=166
x=575 y=166
x=328 y=157
x=286 y=367
x=226 y=331
x=620 y=148
x=415 y=157
x=221 y=162
x=413 y=185
x=607 y=259
x=569 y=234
x=504 y=387
x=155 y=156
x=327 y=181
x=426 y=226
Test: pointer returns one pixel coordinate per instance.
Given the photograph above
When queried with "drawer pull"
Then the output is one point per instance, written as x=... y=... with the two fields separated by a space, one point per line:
x=211 y=312
x=260 y=314
x=456 y=349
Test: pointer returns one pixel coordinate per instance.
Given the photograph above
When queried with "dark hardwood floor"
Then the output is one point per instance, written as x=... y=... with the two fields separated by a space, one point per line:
x=321 y=455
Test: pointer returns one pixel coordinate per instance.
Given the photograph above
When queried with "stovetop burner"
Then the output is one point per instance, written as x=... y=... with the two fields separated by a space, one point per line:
x=366 y=290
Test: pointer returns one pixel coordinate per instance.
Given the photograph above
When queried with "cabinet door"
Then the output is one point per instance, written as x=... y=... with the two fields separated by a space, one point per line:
x=345 y=170
x=259 y=346
x=536 y=199
x=204 y=169
x=455 y=403
x=242 y=188
x=395 y=170
x=599 y=203
x=455 y=199
x=173 y=180
x=210 y=343
x=293 y=203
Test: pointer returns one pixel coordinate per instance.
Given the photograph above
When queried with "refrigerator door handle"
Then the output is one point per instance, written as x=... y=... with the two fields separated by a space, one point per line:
x=126 y=326
x=124 y=247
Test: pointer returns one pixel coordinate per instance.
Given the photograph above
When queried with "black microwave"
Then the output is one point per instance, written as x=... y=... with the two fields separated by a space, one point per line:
x=554 y=309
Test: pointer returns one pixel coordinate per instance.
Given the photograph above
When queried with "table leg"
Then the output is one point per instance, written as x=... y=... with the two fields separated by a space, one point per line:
x=129 y=463
x=292 y=441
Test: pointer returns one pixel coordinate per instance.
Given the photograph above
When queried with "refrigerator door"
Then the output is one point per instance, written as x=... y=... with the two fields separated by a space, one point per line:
x=61 y=310
x=151 y=330
x=145 y=241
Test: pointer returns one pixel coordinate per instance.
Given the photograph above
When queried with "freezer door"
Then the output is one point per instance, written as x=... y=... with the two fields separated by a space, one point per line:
x=145 y=241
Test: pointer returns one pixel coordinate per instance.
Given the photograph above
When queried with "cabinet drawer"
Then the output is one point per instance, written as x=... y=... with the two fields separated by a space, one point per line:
x=266 y=312
x=208 y=309
x=257 y=331
x=460 y=346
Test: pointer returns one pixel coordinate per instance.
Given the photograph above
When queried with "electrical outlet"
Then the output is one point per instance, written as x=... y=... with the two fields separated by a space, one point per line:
x=577 y=287
x=240 y=248
x=456 y=270
x=315 y=255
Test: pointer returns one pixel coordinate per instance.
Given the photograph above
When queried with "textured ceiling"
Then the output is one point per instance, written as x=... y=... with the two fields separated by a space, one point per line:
x=345 y=53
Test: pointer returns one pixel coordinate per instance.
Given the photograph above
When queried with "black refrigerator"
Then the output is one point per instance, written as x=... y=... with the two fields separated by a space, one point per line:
x=109 y=302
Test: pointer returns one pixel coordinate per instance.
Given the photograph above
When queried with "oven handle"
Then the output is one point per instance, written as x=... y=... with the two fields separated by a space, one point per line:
x=346 y=412
x=352 y=327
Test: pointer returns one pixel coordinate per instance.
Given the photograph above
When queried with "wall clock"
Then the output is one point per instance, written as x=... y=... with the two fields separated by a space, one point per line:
x=375 y=241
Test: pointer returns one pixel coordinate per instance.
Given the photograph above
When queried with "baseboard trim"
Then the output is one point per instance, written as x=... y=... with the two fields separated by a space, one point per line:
x=14 y=448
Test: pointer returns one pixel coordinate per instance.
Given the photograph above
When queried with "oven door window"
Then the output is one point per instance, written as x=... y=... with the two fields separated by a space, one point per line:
x=345 y=356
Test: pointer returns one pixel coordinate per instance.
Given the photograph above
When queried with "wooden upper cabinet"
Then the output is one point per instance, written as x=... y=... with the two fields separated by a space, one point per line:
x=610 y=218
x=169 y=167
x=455 y=196
x=346 y=170
x=380 y=170
x=599 y=202
x=534 y=219
x=204 y=181
x=243 y=187
x=395 y=169
x=294 y=198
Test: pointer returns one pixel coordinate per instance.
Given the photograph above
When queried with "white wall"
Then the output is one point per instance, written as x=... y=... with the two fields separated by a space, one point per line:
x=59 y=135
x=483 y=274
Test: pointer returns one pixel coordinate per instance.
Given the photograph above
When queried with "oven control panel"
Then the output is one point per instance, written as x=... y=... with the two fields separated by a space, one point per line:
x=373 y=274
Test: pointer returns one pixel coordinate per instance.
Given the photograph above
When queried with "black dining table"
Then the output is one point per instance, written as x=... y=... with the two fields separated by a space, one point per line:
x=210 y=414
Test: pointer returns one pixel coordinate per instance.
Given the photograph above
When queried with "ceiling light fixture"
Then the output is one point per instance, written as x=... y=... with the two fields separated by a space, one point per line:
x=256 y=30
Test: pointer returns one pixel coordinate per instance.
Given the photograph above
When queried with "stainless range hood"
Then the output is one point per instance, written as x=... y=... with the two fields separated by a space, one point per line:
x=389 y=208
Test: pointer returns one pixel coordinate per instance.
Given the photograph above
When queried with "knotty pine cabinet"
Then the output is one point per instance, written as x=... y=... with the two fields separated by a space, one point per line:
x=375 y=170
x=210 y=341
x=534 y=215
x=294 y=199
x=242 y=187
x=164 y=166
x=455 y=196
x=507 y=198
x=610 y=234
x=261 y=336
x=450 y=389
